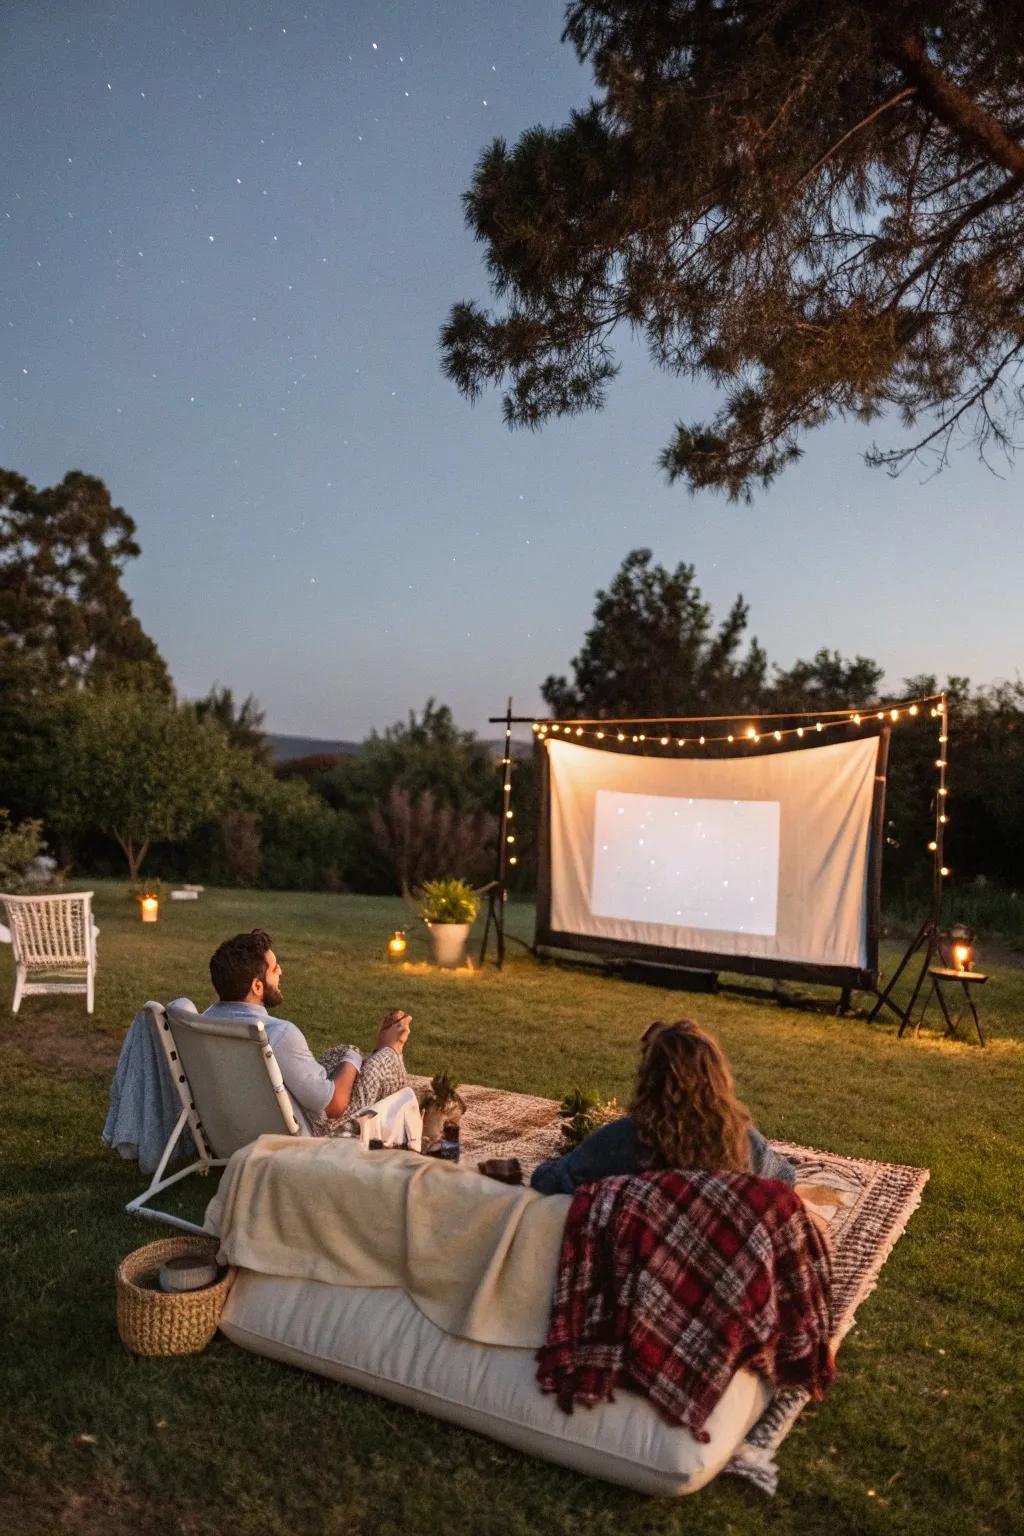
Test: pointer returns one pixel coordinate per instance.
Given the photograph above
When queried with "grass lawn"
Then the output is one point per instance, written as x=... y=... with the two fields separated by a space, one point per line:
x=922 y=1432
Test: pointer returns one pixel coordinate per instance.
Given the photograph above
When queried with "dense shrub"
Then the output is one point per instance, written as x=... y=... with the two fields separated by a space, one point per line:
x=21 y=843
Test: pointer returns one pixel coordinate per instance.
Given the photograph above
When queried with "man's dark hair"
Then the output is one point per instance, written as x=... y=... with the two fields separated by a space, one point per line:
x=235 y=964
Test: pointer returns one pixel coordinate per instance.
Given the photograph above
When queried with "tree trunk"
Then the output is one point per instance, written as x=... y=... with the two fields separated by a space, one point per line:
x=133 y=853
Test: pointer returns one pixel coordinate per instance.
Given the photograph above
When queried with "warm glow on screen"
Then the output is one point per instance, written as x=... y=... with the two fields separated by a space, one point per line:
x=690 y=863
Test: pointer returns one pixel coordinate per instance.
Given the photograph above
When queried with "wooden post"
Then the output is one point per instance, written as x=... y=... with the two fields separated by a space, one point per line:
x=497 y=896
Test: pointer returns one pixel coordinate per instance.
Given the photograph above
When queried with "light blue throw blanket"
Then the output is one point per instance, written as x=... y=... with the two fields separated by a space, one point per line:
x=143 y=1103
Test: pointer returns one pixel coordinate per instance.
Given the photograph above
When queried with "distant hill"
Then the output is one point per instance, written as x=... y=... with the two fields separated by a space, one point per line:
x=286 y=749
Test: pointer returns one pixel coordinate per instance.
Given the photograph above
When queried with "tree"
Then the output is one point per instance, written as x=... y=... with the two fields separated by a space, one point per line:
x=828 y=681
x=65 y=619
x=136 y=767
x=427 y=755
x=242 y=723
x=652 y=651
x=817 y=208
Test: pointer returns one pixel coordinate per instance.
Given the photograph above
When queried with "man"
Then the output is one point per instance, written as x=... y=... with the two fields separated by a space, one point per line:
x=328 y=1091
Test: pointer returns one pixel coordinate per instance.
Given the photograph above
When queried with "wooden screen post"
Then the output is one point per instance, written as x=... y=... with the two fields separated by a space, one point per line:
x=497 y=896
x=928 y=935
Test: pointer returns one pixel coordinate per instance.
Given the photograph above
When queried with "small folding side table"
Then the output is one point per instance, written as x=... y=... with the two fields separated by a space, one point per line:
x=943 y=976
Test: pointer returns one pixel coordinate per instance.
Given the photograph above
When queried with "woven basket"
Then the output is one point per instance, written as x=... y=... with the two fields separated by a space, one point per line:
x=159 y=1323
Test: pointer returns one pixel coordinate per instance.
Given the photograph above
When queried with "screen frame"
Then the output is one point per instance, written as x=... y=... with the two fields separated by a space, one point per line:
x=865 y=978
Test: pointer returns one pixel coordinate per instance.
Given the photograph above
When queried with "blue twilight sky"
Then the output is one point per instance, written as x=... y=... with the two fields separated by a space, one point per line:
x=230 y=234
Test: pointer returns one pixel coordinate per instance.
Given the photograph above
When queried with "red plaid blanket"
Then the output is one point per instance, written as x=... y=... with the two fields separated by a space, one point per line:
x=668 y=1283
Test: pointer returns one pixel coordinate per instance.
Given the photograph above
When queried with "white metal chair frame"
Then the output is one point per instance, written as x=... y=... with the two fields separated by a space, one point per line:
x=53 y=935
x=162 y=1021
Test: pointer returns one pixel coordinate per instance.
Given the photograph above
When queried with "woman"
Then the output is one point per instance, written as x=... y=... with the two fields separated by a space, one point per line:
x=684 y=1114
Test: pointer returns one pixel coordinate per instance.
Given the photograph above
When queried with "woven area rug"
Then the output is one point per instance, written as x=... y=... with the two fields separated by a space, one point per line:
x=866 y=1205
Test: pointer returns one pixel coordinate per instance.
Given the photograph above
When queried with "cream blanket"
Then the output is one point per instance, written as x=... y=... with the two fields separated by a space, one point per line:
x=477 y=1257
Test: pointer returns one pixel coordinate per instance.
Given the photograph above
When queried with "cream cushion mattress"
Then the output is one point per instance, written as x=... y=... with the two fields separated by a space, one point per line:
x=380 y=1341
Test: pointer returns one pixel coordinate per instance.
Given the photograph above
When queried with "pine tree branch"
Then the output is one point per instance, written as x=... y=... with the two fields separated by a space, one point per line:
x=907 y=91
x=956 y=109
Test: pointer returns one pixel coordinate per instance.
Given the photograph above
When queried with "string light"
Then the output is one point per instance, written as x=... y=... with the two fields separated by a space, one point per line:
x=944 y=872
x=844 y=719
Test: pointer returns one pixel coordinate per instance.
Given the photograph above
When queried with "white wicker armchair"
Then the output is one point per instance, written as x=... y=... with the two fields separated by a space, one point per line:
x=54 y=939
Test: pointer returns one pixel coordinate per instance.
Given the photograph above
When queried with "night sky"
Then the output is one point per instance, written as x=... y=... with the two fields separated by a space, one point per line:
x=231 y=233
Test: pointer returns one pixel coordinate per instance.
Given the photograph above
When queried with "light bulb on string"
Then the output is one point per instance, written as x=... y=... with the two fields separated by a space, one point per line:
x=599 y=735
x=819 y=726
x=856 y=719
x=778 y=735
x=621 y=736
x=913 y=709
x=702 y=741
x=932 y=847
x=681 y=742
x=800 y=730
x=751 y=732
x=664 y=741
x=944 y=872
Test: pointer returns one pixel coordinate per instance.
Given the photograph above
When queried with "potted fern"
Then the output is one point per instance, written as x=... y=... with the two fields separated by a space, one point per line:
x=449 y=909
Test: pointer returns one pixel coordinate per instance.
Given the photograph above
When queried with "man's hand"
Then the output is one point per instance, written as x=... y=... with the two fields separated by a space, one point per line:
x=395 y=1030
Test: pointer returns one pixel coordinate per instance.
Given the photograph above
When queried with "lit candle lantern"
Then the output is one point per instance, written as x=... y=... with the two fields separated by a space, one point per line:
x=150 y=909
x=962 y=956
x=397 y=945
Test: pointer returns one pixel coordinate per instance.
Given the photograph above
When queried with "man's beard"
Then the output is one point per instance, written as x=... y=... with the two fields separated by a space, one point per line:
x=272 y=996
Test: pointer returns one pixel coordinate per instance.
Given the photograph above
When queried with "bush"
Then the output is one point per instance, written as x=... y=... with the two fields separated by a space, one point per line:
x=21 y=843
x=421 y=840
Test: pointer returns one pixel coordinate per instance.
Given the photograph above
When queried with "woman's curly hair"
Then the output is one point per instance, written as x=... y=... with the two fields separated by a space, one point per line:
x=684 y=1105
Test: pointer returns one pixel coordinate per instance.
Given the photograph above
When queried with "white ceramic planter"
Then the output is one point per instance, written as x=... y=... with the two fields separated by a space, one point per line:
x=448 y=942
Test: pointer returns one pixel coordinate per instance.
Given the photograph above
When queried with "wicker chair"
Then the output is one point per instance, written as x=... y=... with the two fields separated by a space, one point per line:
x=54 y=939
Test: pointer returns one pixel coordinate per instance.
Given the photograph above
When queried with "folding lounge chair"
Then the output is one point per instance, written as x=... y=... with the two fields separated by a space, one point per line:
x=231 y=1091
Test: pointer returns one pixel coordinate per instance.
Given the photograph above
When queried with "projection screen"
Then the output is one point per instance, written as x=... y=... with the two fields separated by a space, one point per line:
x=765 y=864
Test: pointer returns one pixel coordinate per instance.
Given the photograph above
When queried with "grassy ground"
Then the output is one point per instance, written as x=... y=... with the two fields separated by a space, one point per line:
x=922 y=1432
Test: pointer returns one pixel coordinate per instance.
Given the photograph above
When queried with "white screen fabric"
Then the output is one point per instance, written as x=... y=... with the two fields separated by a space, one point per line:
x=764 y=856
